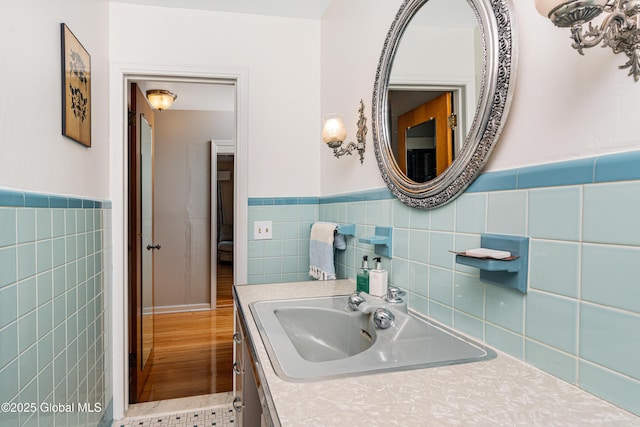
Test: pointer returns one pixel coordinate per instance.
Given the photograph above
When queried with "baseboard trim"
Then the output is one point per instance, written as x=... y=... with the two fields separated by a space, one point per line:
x=181 y=308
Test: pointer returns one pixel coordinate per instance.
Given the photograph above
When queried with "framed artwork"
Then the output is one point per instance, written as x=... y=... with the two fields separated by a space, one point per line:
x=76 y=88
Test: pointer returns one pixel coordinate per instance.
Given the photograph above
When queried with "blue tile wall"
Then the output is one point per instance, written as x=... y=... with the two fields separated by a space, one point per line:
x=285 y=257
x=579 y=320
x=54 y=304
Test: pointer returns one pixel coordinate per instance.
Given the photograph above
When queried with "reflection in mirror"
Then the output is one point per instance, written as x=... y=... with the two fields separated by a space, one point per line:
x=433 y=120
x=445 y=75
x=439 y=55
x=420 y=142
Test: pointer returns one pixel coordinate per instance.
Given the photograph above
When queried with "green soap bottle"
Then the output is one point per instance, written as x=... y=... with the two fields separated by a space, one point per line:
x=362 y=279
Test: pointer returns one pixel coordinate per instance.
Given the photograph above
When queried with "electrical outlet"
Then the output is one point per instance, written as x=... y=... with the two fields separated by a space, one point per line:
x=262 y=230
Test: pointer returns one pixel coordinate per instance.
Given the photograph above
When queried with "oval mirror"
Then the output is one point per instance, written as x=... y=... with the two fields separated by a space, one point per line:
x=442 y=92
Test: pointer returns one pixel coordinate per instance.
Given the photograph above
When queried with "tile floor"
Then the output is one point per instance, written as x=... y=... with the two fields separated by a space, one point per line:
x=197 y=411
x=222 y=416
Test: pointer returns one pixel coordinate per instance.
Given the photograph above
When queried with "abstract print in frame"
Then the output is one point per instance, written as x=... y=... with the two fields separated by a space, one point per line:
x=76 y=88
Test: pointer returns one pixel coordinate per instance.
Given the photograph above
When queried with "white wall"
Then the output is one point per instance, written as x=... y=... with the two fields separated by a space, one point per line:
x=34 y=156
x=453 y=56
x=353 y=33
x=277 y=62
x=282 y=59
x=181 y=203
x=565 y=106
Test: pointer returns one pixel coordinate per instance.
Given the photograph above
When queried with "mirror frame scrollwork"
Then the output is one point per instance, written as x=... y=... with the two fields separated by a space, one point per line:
x=498 y=81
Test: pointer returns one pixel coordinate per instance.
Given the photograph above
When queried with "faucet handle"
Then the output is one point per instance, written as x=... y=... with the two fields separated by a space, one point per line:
x=383 y=318
x=394 y=295
x=355 y=299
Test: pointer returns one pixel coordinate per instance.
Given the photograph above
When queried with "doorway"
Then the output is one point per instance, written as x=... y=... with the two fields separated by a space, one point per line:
x=187 y=330
x=429 y=125
x=425 y=139
x=224 y=219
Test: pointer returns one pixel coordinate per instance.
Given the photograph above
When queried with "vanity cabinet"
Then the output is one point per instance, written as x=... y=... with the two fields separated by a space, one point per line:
x=251 y=399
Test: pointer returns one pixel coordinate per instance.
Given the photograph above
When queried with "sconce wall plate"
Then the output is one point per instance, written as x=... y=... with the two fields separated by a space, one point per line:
x=618 y=30
x=361 y=135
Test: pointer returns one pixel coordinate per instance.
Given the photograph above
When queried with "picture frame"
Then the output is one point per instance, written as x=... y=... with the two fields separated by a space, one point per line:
x=76 y=88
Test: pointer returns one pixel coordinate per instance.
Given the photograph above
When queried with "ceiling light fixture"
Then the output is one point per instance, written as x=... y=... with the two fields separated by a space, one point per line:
x=161 y=99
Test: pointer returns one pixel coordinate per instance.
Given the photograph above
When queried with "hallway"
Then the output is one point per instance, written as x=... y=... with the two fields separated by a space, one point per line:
x=193 y=353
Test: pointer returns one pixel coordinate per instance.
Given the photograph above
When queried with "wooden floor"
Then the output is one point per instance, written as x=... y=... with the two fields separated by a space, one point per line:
x=193 y=352
x=224 y=274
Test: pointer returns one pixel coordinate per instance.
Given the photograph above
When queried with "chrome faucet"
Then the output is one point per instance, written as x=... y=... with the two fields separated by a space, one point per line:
x=383 y=318
x=358 y=302
x=394 y=295
x=355 y=299
x=395 y=298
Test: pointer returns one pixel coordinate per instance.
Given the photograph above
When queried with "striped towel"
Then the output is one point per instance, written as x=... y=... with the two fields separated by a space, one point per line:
x=321 y=264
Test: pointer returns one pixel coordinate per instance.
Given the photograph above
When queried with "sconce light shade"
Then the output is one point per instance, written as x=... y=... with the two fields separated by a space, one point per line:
x=567 y=13
x=334 y=131
x=161 y=99
x=545 y=6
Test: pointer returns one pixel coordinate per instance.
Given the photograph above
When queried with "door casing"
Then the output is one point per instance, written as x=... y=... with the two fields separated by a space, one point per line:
x=138 y=256
x=217 y=147
x=121 y=76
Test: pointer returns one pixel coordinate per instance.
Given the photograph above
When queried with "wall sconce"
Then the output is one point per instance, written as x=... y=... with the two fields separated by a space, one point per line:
x=334 y=133
x=619 y=28
x=161 y=99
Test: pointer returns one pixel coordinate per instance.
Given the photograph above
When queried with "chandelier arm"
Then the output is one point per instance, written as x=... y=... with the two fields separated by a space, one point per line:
x=594 y=35
x=612 y=5
x=345 y=150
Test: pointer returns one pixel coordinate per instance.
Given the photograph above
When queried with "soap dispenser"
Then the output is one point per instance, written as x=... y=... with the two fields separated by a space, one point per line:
x=362 y=279
x=378 y=280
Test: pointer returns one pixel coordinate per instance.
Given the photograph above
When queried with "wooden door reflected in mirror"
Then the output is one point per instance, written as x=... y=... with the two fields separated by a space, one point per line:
x=425 y=139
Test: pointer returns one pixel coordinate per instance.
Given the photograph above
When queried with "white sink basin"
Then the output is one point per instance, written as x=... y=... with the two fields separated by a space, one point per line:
x=316 y=338
x=312 y=331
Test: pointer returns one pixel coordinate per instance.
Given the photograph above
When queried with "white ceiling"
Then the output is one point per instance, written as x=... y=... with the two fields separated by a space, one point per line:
x=195 y=96
x=308 y=9
x=221 y=97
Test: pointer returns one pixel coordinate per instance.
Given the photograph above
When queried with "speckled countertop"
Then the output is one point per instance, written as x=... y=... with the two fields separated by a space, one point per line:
x=498 y=392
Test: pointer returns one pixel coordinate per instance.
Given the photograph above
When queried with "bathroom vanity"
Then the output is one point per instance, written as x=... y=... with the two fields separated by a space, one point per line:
x=246 y=400
x=497 y=391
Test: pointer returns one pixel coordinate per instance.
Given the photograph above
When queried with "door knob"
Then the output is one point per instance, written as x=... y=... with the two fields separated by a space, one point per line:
x=156 y=246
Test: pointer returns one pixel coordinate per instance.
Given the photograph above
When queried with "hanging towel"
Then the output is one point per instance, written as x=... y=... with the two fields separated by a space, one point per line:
x=339 y=241
x=321 y=243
